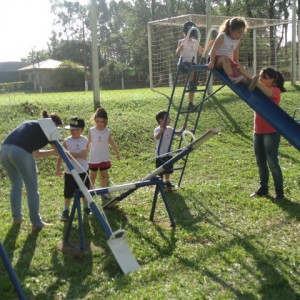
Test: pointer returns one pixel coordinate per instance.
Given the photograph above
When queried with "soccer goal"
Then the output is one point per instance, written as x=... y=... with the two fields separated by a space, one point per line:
x=265 y=44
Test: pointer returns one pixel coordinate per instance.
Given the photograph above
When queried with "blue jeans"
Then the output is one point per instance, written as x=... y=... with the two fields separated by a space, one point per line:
x=21 y=167
x=266 y=153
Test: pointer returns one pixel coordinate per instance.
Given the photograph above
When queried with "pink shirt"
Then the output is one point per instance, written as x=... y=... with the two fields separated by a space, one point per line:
x=260 y=125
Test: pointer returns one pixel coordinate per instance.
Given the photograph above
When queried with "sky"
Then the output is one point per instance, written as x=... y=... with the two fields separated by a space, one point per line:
x=24 y=25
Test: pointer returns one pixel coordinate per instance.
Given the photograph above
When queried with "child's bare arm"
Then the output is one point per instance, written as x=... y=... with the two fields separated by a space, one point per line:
x=180 y=132
x=216 y=45
x=200 y=49
x=114 y=147
x=58 y=171
x=159 y=134
x=180 y=48
x=83 y=154
x=236 y=55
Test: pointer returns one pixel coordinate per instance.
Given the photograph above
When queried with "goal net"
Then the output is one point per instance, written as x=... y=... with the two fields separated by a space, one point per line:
x=264 y=44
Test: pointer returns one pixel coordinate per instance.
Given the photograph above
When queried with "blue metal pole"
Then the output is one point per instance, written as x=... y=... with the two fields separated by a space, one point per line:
x=11 y=273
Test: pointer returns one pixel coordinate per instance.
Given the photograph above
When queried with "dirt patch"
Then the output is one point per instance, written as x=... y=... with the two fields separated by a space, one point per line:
x=72 y=248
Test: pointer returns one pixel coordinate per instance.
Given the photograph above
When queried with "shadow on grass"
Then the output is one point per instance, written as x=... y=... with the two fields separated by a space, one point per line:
x=273 y=280
x=7 y=288
x=9 y=242
x=226 y=117
x=284 y=142
x=117 y=219
x=290 y=207
x=166 y=243
x=68 y=260
x=26 y=255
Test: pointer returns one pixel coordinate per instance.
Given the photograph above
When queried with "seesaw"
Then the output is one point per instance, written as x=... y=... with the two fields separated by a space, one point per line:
x=189 y=148
x=116 y=240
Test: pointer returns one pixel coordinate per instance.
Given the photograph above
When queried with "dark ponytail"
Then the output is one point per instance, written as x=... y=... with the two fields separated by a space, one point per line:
x=279 y=82
x=55 y=118
x=101 y=113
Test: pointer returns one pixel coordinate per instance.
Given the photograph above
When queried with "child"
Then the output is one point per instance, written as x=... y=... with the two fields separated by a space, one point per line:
x=225 y=52
x=266 y=139
x=77 y=146
x=188 y=50
x=165 y=132
x=99 y=140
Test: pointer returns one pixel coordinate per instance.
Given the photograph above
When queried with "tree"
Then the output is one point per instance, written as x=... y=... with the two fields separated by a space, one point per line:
x=70 y=75
x=122 y=28
x=36 y=56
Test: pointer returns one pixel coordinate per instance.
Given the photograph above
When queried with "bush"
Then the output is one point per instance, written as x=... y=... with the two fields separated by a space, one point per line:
x=70 y=75
x=12 y=86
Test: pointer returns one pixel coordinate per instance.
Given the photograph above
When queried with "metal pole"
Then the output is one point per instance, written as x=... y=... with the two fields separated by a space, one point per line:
x=298 y=36
x=86 y=87
x=11 y=273
x=294 y=46
x=33 y=68
x=150 y=56
x=95 y=63
x=208 y=27
x=254 y=52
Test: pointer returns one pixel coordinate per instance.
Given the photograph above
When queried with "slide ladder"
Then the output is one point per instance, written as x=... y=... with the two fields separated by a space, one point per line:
x=185 y=116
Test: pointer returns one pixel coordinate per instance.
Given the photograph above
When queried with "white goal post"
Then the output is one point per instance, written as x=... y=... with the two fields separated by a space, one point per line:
x=255 y=52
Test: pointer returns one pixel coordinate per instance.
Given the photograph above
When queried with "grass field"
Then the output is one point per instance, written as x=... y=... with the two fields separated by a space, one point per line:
x=226 y=245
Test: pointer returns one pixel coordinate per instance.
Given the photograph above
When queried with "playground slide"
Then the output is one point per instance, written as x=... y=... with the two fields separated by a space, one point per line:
x=266 y=108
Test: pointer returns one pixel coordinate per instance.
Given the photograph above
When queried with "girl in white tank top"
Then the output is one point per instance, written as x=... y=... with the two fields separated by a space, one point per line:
x=225 y=52
x=100 y=139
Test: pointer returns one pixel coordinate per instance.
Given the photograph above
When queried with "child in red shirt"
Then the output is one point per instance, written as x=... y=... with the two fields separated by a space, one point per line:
x=266 y=139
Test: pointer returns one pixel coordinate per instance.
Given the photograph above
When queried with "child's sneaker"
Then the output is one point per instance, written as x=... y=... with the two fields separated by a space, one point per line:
x=169 y=185
x=191 y=106
x=192 y=86
x=87 y=212
x=105 y=196
x=252 y=83
x=65 y=215
x=235 y=79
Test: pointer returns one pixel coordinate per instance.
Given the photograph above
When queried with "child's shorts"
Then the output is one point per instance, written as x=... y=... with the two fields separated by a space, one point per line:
x=184 y=66
x=105 y=165
x=234 y=65
x=71 y=185
x=161 y=160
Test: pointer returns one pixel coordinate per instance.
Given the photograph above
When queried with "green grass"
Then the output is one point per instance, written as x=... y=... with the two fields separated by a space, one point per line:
x=225 y=246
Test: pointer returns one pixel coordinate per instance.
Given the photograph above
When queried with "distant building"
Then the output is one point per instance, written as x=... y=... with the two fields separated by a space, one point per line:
x=41 y=73
x=9 y=71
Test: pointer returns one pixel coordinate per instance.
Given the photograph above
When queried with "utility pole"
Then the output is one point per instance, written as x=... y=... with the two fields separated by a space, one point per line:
x=95 y=63
x=86 y=87
x=293 y=65
x=33 y=68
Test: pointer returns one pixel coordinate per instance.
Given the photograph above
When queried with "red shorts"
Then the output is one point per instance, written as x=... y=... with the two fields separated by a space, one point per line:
x=233 y=64
x=105 y=165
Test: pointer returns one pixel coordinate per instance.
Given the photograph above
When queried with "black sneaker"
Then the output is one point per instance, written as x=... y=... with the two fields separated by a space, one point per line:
x=87 y=212
x=105 y=196
x=169 y=185
x=279 y=196
x=65 y=215
x=260 y=192
x=191 y=106
x=192 y=86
